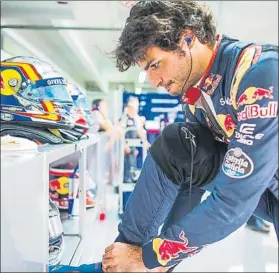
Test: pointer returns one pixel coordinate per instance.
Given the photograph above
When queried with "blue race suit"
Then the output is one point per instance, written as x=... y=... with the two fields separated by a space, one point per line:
x=238 y=102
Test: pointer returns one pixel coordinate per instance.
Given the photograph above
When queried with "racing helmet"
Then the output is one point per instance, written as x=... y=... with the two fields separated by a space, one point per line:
x=81 y=103
x=34 y=93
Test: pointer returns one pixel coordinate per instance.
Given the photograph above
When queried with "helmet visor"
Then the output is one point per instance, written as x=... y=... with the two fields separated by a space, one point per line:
x=52 y=89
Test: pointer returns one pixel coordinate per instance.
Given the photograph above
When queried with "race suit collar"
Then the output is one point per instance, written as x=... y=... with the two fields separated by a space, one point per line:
x=207 y=81
x=215 y=52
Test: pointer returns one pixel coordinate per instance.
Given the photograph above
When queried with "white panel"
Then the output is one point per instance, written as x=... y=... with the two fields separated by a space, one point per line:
x=5 y=55
x=250 y=20
x=24 y=214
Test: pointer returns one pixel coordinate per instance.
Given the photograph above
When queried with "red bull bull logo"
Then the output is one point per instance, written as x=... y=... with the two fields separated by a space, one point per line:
x=253 y=94
x=261 y=93
x=61 y=185
x=243 y=99
x=229 y=123
x=54 y=185
x=168 y=250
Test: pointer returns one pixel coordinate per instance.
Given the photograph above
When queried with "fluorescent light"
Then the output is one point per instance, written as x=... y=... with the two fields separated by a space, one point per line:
x=142 y=77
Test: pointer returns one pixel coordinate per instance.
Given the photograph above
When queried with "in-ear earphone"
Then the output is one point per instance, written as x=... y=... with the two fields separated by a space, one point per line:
x=188 y=40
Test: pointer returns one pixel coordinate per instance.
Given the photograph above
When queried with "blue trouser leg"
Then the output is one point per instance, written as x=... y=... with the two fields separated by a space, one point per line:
x=182 y=206
x=267 y=209
x=155 y=200
x=148 y=205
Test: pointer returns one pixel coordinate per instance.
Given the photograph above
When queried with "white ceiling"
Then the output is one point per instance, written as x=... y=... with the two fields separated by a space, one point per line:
x=82 y=54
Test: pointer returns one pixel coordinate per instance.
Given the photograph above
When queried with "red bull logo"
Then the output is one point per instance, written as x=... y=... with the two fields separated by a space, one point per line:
x=61 y=185
x=229 y=123
x=261 y=93
x=211 y=83
x=243 y=99
x=54 y=185
x=253 y=94
x=168 y=250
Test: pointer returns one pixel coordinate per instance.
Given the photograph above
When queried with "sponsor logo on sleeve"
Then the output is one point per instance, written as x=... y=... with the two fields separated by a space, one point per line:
x=253 y=94
x=256 y=111
x=237 y=164
x=168 y=250
x=225 y=101
x=246 y=135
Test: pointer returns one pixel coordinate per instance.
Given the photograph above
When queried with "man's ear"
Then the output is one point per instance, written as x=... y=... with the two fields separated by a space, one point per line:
x=188 y=37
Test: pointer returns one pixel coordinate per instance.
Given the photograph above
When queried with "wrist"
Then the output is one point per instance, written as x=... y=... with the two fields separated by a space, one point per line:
x=149 y=257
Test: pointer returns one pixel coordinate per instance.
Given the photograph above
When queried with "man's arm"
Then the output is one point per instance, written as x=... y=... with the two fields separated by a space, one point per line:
x=141 y=132
x=246 y=172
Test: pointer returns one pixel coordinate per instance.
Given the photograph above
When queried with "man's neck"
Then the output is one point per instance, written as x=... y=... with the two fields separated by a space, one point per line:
x=208 y=54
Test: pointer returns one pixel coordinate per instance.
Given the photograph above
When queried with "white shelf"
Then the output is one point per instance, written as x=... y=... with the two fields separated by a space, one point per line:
x=25 y=181
x=56 y=152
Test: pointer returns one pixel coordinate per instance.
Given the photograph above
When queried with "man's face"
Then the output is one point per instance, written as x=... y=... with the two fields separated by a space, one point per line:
x=168 y=69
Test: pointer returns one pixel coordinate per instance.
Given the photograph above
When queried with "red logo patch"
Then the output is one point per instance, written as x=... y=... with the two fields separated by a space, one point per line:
x=211 y=83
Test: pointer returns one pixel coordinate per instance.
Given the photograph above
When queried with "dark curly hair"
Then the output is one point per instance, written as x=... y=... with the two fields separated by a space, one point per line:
x=161 y=23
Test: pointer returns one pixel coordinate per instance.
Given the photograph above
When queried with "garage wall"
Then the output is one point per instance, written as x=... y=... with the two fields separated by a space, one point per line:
x=247 y=20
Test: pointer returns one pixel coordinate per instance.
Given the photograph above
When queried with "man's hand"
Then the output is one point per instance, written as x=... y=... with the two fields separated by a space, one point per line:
x=120 y=257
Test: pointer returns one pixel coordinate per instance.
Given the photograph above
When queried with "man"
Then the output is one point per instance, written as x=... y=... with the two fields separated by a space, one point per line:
x=100 y=116
x=133 y=126
x=226 y=85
